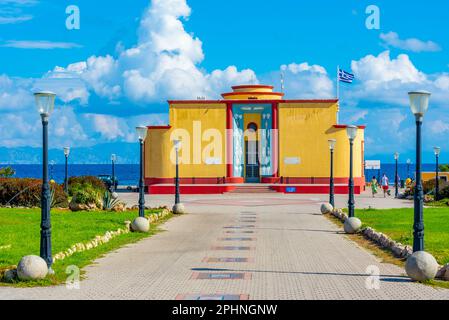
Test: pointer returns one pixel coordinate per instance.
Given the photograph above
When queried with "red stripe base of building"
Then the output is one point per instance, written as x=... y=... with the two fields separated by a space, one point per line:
x=228 y=185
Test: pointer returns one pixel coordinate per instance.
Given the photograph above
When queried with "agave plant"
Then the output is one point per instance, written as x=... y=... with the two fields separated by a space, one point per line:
x=109 y=202
x=54 y=201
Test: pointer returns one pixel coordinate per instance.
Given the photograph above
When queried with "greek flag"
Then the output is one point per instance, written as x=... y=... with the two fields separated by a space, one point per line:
x=344 y=76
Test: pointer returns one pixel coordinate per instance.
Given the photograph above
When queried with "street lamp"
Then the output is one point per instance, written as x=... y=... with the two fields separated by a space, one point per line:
x=45 y=102
x=352 y=134
x=396 y=191
x=177 y=144
x=142 y=135
x=437 y=151
x=113 y=160
x=420 y=266
x=419 y=103
x=409 y=162
x=332 y=143
x=178 y=208
x=66 y=179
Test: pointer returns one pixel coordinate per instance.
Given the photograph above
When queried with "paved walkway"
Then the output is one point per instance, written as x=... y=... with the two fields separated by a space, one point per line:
x=243 y=247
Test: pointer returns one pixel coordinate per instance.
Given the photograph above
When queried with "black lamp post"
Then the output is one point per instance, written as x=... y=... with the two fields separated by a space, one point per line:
x=419 y=103
x=66 y=178
x=142 y=134
x=352 y=134
x=113 y=160
x=437 y=151
x=45 y=102
x=332 y=143
x=177 y=193
x=396 y=182
x=409 y=162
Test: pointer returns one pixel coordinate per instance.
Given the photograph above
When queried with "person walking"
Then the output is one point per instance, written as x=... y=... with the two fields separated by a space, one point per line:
x=385 y=185
x=374 y=185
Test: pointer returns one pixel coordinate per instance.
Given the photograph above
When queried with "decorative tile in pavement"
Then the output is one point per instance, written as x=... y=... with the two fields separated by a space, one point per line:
x=238 y=239
x=231 y=248
x=221 y=276
x=228 y=260
x=240 y=227
x=239 y=231
x=219 y=297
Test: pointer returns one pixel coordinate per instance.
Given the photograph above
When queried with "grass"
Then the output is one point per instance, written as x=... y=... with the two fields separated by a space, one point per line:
x=398 y=224
x=20 y=236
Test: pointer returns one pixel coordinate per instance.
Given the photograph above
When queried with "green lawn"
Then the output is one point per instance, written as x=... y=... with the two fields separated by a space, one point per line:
x=398 y=224
x=20 y=236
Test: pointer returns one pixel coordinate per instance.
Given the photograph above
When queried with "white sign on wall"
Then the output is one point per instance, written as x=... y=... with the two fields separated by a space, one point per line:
x=372 y=164
x=292 y=160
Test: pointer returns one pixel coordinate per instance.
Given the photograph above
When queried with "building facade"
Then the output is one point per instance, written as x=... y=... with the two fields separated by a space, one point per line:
x=252 y=136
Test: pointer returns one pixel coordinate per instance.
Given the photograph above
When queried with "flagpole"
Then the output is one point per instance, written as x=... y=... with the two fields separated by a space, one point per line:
x=338 y=93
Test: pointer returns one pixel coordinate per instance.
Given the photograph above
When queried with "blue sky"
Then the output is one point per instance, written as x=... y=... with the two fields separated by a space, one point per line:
x=118 y=70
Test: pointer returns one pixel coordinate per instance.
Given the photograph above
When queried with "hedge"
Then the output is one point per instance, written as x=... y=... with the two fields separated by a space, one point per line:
x=27 y=193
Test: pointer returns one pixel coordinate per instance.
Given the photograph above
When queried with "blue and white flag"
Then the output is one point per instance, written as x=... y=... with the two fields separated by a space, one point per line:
x=344 y=76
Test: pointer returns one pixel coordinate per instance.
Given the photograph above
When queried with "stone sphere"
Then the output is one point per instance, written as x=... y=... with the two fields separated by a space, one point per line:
x=421 y=266
x=326 y=208
x=140 y=225
x=352 y=225
x=32 y=268
x=114 y=195
x=179 y=209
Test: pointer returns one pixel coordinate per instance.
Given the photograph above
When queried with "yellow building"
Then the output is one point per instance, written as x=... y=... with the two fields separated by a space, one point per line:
x=252 y=136
x=427 y=176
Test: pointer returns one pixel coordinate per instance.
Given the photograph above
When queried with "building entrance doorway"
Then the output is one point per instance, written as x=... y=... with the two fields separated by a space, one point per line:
x=252 y=161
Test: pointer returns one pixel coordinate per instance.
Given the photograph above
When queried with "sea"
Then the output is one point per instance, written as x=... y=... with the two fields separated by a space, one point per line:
x=128 y=174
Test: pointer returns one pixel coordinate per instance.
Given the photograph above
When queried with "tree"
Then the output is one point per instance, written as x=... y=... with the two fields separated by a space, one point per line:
x=444 y=167
x=7 y=172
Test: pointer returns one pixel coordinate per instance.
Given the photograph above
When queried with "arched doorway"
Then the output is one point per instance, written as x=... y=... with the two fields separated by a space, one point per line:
x=252 y=162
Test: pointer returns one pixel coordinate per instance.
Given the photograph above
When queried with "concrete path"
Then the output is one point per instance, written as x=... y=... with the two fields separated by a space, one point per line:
x=243 y=247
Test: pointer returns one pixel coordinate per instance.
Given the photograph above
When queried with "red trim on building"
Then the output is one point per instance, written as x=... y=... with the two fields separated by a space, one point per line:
x=344 y=126
x=158 y=127
x=242 y=101
x=229 y=141
x=255 y=86
x=220 y=189
x=275 y=142
x=277 y=94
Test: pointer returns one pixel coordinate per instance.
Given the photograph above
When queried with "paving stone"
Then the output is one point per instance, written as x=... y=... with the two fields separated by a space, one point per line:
x=299 y=254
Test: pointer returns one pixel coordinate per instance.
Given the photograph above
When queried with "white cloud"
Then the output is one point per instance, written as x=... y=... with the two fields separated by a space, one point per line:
x=305 y=81
x=164 y=64
x=14 y=94
x=392 y=39
x=15 y=19
x=358 y=116
x=439 y=127
x=41 y=45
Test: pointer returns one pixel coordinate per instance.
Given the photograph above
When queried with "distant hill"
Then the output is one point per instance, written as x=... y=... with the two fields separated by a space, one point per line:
x=127 y=153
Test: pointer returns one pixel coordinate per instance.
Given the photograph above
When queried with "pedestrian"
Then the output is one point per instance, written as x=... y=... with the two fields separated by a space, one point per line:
x=385 y=185
x=374 y=185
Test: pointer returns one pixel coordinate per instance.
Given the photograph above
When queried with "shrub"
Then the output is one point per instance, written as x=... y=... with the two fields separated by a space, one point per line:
x=7 y=172
x=86 y=181
x=444 y=193
x=429 y=186
x=27 y=193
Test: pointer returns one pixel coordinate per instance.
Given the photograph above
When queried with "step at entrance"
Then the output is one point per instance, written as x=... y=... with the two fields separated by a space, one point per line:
x=253 y=189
